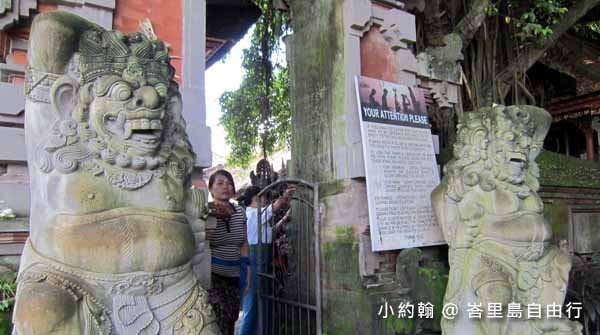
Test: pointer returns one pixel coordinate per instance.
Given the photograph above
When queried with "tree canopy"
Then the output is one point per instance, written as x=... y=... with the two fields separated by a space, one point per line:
x=256 y=116
x=501 y=40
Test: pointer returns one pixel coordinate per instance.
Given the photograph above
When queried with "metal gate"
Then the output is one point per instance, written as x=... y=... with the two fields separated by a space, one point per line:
x=288 y=272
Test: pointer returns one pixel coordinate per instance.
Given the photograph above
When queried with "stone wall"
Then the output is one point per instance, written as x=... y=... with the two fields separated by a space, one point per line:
x=571 y=194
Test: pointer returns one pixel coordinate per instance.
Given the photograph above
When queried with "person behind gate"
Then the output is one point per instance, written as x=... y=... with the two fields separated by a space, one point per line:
x=249 y=322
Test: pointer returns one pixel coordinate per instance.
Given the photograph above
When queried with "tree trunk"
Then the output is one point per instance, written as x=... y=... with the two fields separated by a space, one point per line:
x=470 y=23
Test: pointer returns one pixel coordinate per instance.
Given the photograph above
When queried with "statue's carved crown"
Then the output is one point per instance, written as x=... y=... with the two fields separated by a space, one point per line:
x=133 y=56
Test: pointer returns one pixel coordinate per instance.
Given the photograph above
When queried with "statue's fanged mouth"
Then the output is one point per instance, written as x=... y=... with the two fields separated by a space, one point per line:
x=517 y=163
x=518 y=158
x=142 y=129
x=146 y=138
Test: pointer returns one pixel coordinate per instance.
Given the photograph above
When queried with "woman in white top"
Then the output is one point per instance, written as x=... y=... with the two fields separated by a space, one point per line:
x=249 y=322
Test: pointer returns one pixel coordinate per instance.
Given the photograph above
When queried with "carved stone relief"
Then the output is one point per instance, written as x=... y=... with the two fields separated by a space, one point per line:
x=12 y=11
x=492 y=218
x=5 y=5
x=117 y=242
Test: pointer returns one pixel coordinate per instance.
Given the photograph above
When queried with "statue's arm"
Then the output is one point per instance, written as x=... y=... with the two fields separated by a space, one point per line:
x=460 y=228
x=446 y=212
x=196 y=203
x=54 y=39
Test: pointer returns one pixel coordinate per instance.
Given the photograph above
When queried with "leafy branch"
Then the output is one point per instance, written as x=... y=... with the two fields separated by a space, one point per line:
x=533 y=21
x=256 y=116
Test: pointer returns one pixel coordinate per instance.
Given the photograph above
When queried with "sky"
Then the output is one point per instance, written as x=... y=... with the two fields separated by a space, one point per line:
x=224 y=75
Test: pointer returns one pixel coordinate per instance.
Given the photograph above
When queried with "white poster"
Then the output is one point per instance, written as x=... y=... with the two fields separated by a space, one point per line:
x=401 y=169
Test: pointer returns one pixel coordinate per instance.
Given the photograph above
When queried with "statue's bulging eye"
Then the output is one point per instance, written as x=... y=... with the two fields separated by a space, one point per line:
x=509 y=136
x=120 y=91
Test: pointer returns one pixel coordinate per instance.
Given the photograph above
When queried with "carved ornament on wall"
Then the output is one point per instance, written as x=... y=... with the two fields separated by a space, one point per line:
x=5 y=5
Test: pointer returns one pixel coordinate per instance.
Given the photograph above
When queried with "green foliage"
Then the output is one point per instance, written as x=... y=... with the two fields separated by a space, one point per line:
x=5 y=323
x=590 y=30
x=8 y=287
x=532 y=19
x=257 y=115
x=492 y=10
x=436 y=280
x=401 y=325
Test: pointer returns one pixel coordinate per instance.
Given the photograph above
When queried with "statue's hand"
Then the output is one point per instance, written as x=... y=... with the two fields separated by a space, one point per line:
x=195 y=209
x=471 y=224
x=469 y=230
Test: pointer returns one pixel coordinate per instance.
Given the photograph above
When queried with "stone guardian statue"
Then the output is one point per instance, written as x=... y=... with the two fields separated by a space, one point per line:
x=500 y=249
x=116 y=240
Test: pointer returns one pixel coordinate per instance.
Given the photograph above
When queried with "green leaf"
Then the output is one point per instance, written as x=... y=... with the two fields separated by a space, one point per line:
x=491 y=10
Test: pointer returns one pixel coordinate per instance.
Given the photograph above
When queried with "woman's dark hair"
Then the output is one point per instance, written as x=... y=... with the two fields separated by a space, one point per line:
x=249 y=194
x=224 y=173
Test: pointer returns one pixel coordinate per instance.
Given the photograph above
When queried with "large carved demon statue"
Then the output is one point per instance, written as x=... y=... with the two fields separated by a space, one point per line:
x=491 y=216
x=114 y=223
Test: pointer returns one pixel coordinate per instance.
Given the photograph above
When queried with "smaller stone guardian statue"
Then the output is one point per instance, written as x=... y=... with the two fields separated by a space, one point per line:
x=491 y=216
x=116 y=242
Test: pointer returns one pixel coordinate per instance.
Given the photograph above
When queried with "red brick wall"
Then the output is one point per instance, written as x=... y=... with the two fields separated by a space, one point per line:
x=19 y=57
x=22 y=32
x=377 y=59
x=166 y=18
x=46 y=7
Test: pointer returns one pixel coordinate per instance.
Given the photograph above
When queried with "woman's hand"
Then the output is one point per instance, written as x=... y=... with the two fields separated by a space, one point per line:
x=289 y=193
x=284 y=220
x=220 y=210
x=287 y=217
x=285 y=199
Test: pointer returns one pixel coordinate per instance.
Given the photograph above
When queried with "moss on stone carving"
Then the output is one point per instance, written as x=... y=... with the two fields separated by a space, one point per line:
x=557 y=214
x=342 y=259
x=331 y=188
x=5 y=5
x=566 y=171
x=429 y=287
x=346 y=305
x=434 y=280
x=349 y=308
x=401 y=326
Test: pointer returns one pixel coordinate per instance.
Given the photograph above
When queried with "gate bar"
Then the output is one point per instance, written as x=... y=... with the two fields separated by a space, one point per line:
x=317 y=259
x=317 y=232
